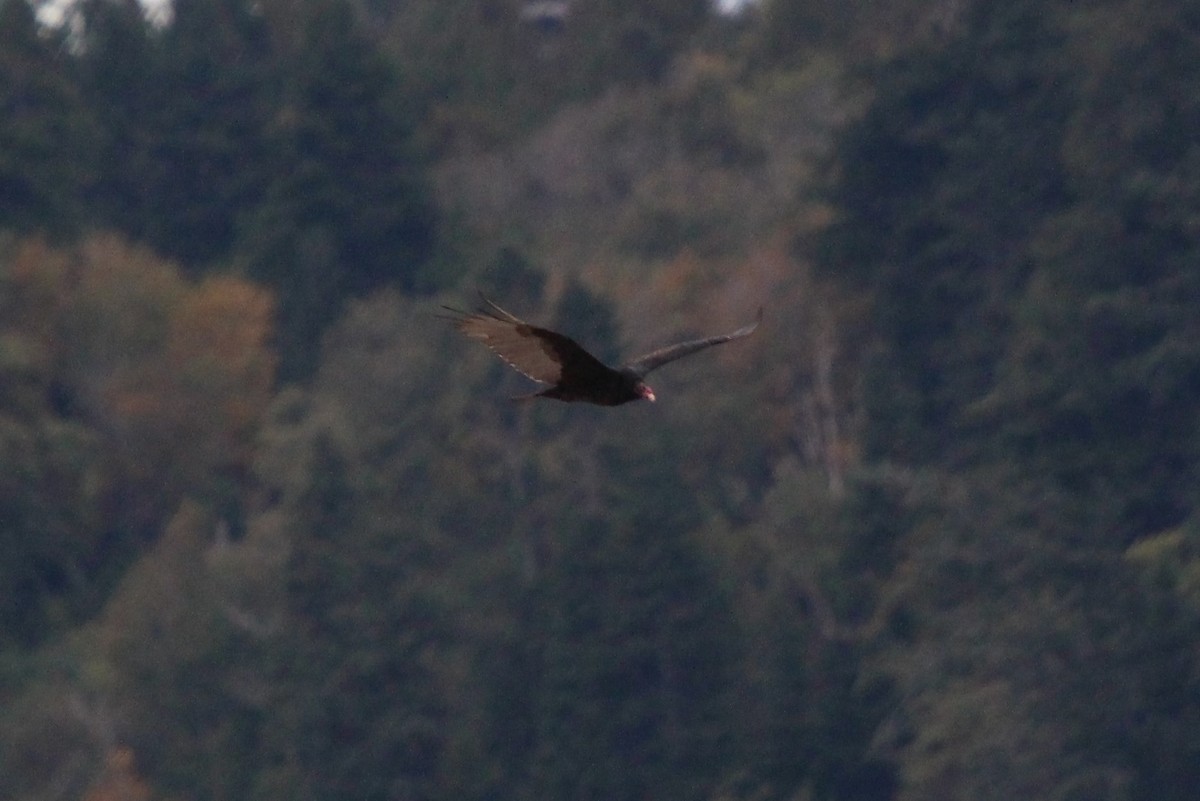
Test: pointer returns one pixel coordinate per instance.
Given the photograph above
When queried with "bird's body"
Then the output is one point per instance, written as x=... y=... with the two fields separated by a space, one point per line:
x=611 y=389
x=573 y=374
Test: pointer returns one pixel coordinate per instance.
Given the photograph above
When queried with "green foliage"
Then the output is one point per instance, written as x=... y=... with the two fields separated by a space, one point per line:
x=280 y=145
x=1165 y=745
x=633 y=694
x=181 y=114
x=789 y=29
x=1003 y=201
x=627 y=41
x=785 y=33
x=51 y=487
x=180 y=663
x=356 y=710
x=939 y=202
x=126 y=389
x=343 y=161
x=816 y=582
x=371 y=669
x=49 y=506
x=344 y=209
x=1021 y=286
x=1105 y=352
x=45 y=129
x=471 y=68
x=484 y=74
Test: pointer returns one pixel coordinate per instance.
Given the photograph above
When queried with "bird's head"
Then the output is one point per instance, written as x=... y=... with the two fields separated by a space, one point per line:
x=644 y=391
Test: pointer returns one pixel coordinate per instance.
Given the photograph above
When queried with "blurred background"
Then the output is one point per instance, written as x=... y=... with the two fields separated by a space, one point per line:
x=271 y=530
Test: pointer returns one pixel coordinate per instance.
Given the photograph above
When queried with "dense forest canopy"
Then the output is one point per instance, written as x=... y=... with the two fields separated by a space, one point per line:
x=272 y=532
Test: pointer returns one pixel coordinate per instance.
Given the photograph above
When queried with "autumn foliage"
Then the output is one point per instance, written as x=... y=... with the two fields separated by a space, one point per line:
x=119 y=780
x=175 y=373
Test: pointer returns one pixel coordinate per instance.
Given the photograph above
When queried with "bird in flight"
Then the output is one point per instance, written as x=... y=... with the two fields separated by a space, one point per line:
x=573 y=374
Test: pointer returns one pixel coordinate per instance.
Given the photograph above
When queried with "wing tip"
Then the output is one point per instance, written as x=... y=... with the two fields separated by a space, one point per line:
x=488 y=310
x=750 y=328
x=492 y=309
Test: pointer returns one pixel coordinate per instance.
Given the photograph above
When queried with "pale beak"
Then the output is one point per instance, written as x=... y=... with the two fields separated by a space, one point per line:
x=648 y=393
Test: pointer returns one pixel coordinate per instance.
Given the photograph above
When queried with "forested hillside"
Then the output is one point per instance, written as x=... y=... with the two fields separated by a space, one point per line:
x=272 y=530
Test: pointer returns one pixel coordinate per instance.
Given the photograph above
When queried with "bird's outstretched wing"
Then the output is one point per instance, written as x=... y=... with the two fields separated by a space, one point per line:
x=539 y=353
x=655 y=359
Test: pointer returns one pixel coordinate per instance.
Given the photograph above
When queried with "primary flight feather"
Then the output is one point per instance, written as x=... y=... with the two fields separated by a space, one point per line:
x=574 y=374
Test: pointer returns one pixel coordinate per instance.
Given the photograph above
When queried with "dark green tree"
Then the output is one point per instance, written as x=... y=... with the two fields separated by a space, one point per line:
x=278 y=141
x=347 y=208
x=470 y=68
x=1098 y=381
x=390 y=586
x=634 y=673
x=51 y=526
x=636 y=644
x=45 y=129
x=1015 y=204
x=183 y=112
x=357 y=711
x=939 y=201
x=629 y=42
x=184 y=665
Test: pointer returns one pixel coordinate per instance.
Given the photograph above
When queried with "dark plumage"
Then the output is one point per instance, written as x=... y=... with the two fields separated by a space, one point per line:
x=574 y=374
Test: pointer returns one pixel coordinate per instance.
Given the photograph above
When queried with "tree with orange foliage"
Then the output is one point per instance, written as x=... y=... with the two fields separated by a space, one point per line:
x=124 y=388
x=119 y=780
x=177 y=374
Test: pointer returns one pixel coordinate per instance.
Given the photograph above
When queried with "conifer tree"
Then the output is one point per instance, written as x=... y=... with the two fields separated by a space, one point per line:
x=45 y=129
x=346 y=208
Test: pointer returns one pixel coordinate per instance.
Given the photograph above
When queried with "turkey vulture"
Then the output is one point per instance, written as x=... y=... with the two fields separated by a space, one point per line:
x=573 y=374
